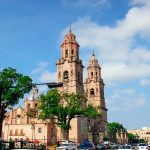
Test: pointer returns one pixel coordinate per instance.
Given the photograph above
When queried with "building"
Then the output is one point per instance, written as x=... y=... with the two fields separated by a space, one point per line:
x=143 y=133
x=122 y=136
x=19 y=125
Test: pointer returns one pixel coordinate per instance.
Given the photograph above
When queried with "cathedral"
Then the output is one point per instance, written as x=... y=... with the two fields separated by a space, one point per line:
x=19 y=125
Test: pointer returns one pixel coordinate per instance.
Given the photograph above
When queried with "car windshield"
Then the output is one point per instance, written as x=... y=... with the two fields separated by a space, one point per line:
x=143 y=144
x=125 y=147
x=85 y=145
x=66 y=144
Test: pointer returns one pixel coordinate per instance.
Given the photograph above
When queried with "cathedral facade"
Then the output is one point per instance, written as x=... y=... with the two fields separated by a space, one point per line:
x=19 y=125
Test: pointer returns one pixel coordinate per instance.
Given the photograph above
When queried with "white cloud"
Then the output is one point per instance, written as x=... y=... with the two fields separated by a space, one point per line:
x=90 y=4
x=48 y=76
x=40 y=67
x=141 y=2
x=126 y=100
x=145 y=82
x=117 y=47
x=41 y=74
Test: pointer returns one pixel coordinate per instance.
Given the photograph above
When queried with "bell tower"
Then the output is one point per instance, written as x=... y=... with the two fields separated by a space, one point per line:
x=95 y=95
x=69 y=66
x=70 y=73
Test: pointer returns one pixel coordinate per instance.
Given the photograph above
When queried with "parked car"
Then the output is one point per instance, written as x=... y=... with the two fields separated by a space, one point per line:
x=143 y=146
x=107 y=146
x=67 y=145
x=113 y=146
x=86 y=146
x=125 y=147
x=100 y=146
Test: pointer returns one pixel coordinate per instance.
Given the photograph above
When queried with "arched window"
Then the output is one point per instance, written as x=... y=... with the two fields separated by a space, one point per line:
x=28 y=105
x=92 y=74
x=66 y=53
x=72 y=51
x=92 y=92
x=66 y=75
x=36 y=106
x=16 y=132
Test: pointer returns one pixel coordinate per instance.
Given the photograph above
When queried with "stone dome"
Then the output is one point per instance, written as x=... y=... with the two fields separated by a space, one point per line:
x=34 y=94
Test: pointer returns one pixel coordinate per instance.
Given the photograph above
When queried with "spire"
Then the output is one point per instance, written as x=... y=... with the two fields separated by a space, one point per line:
x=70 y=29
x=93 y=54
x=93 y=61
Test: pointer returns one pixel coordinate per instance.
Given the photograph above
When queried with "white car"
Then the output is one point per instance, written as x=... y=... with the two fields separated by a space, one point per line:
x=125 y=147
x=67 y=145
x=143 y=146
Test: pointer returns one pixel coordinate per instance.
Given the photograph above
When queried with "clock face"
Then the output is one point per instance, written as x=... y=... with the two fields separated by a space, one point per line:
x=65 y=87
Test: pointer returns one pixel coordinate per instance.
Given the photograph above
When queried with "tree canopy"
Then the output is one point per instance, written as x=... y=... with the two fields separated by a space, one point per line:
x=13 y=86
x=113 y=128
x=131 y=138
x=61 y=108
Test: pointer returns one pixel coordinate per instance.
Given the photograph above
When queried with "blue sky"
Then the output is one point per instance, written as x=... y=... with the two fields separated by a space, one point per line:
x=31 y=32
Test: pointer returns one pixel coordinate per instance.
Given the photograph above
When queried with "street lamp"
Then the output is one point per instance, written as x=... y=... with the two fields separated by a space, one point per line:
x=50 y=84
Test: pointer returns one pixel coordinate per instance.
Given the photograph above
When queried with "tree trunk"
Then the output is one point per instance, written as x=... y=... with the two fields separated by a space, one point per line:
x=65 y=134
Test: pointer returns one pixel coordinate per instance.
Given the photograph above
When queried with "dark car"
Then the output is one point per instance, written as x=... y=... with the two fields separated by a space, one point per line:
x=86 y=146
x=108 y=146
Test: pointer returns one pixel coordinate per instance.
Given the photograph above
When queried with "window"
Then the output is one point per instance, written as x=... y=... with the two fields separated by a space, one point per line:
x=36 y=106
x=72 y=51
x=92 y=92
x=66 y=76
x=28 y=105
x=39 y=130
x=92 y=74
x=96 y=73
x=66 y=53
x=16 y=132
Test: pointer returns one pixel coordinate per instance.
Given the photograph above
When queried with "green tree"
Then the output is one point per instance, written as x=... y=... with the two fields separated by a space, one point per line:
x=13 y=86
x=61 y=108
x=113 y=128
x=131 y=138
